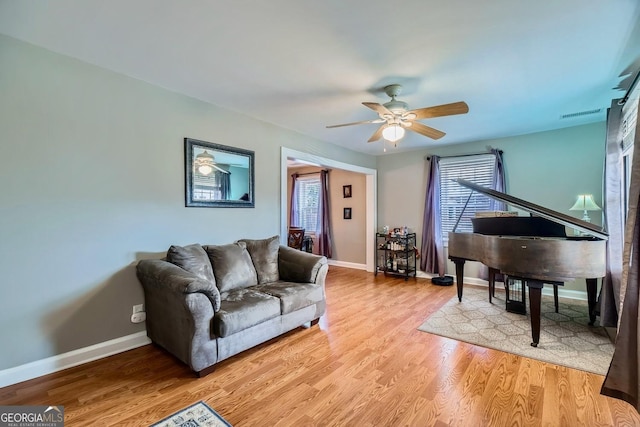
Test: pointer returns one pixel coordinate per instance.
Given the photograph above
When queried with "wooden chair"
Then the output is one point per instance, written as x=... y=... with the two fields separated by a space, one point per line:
x=295 y=238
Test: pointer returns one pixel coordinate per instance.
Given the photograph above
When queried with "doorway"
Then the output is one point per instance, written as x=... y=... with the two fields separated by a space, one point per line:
x=370 y=197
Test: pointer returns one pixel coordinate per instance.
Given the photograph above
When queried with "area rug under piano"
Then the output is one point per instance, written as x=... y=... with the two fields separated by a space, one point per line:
x=565 y=337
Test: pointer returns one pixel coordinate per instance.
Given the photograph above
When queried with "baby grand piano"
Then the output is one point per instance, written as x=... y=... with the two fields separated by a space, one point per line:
x=534 y=249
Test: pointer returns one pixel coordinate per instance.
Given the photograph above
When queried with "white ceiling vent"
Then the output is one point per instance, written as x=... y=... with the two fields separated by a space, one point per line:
x=580 y=114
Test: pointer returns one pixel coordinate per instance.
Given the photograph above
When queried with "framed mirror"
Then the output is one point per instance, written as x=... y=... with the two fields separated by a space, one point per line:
x=218 y=175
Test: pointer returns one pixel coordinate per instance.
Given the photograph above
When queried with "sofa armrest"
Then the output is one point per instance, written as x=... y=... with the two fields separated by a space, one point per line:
x=155 y=274
x=301 y=267
x=180 y=307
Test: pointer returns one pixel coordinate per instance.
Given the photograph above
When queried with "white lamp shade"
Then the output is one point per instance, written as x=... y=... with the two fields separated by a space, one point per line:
x=585 y=202
x=204 y=163
x=393 y=133
x=205 y=169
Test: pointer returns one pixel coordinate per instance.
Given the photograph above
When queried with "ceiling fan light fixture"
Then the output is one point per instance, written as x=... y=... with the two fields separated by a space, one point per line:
x=204 y=163
x=396 y=117
x=396 y=107
x=393 y=133
x=205 y=169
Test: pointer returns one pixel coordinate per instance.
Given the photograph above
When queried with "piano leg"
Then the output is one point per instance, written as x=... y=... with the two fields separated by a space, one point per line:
x=459 y=262
x=492 y=282
x=592 y=287
x=535 y=301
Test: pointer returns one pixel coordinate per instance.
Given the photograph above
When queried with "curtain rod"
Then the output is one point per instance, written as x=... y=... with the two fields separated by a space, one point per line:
x=628 y=94
x=311 y=173
x=428 y=157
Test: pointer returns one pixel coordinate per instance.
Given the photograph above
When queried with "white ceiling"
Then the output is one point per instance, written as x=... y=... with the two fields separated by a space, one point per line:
x=303 y=64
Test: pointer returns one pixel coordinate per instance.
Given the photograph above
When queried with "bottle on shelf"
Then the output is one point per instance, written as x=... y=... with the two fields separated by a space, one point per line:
x=396 y=255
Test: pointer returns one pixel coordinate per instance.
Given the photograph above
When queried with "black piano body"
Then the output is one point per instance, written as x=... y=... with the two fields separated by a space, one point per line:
x=525 y=226
x=534 y=248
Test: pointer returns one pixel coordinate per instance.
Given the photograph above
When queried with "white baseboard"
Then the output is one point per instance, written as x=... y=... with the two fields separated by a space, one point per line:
x=73 y=358
x=353 y=265
x=566 y=293
x=424 y=275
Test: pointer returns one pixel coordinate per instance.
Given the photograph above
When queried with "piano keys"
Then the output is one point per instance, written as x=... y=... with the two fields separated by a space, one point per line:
x=534 y=249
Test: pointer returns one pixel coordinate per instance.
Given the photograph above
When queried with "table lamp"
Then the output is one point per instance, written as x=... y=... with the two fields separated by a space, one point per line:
x=585 y=203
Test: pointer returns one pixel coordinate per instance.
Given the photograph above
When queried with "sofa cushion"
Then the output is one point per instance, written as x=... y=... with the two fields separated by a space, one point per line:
x=264 y=254
x=232 y=266
x=293 y=296
x=243 y=308
x=192 y=258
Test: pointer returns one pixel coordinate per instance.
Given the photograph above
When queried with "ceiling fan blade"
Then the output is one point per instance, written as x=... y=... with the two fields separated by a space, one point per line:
x=220 y=169
x=377 y=134
x=378 y=108
x=440 y=110
x=426 y=130
x=357 y=123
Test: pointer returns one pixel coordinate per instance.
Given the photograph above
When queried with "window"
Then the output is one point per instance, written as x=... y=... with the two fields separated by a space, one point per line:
x=306 y=201
x=207 y=187
x=627 y=159
x=453 y=197
x=628 y=135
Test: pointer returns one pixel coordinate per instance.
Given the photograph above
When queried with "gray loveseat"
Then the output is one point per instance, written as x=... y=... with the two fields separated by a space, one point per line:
x=207 y=303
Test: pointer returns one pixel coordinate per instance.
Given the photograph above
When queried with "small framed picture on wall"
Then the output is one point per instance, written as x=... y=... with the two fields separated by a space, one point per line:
x=346 y=191
x=347 y=213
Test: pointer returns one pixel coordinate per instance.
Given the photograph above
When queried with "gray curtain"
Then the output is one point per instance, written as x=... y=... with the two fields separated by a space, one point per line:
x=622 y=380
x=432 y=259
x=294 y=215
x=609 y=298
x=324 y=232
x=224 y=183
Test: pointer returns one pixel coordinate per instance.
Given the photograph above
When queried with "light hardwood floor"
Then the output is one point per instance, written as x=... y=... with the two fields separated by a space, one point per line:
x=365 y=364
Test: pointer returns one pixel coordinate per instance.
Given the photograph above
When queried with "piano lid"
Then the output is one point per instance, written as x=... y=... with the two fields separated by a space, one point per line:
x=551 y=215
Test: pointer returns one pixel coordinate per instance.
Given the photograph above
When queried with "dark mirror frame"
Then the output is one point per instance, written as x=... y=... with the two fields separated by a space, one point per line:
x=189 y=145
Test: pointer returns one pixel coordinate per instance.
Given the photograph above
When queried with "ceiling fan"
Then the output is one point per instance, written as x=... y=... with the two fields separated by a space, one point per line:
x=205 y=164
x=395 y=117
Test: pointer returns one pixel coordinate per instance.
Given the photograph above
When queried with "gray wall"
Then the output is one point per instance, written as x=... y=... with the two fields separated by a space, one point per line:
x=91 y=165
x=547 y=168
x=348 y=234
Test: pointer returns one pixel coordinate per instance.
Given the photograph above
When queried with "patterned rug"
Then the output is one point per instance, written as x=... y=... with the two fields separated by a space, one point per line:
x=565 y=337
x=197 y=415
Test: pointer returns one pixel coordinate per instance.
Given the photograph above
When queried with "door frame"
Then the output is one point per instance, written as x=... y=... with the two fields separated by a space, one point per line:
x=371 y=202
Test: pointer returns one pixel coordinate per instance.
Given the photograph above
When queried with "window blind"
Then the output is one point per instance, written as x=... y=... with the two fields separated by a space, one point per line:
x=477 y=169
x=630 y=116
x=307 y=196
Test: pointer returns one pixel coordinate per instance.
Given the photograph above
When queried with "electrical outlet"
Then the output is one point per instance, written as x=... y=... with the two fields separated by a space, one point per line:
x=138 y=317
x=138 y=308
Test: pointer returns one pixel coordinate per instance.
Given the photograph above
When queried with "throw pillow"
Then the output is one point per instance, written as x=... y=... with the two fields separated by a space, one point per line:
x=232 y=266
x=192 y=258
x=264 y=254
